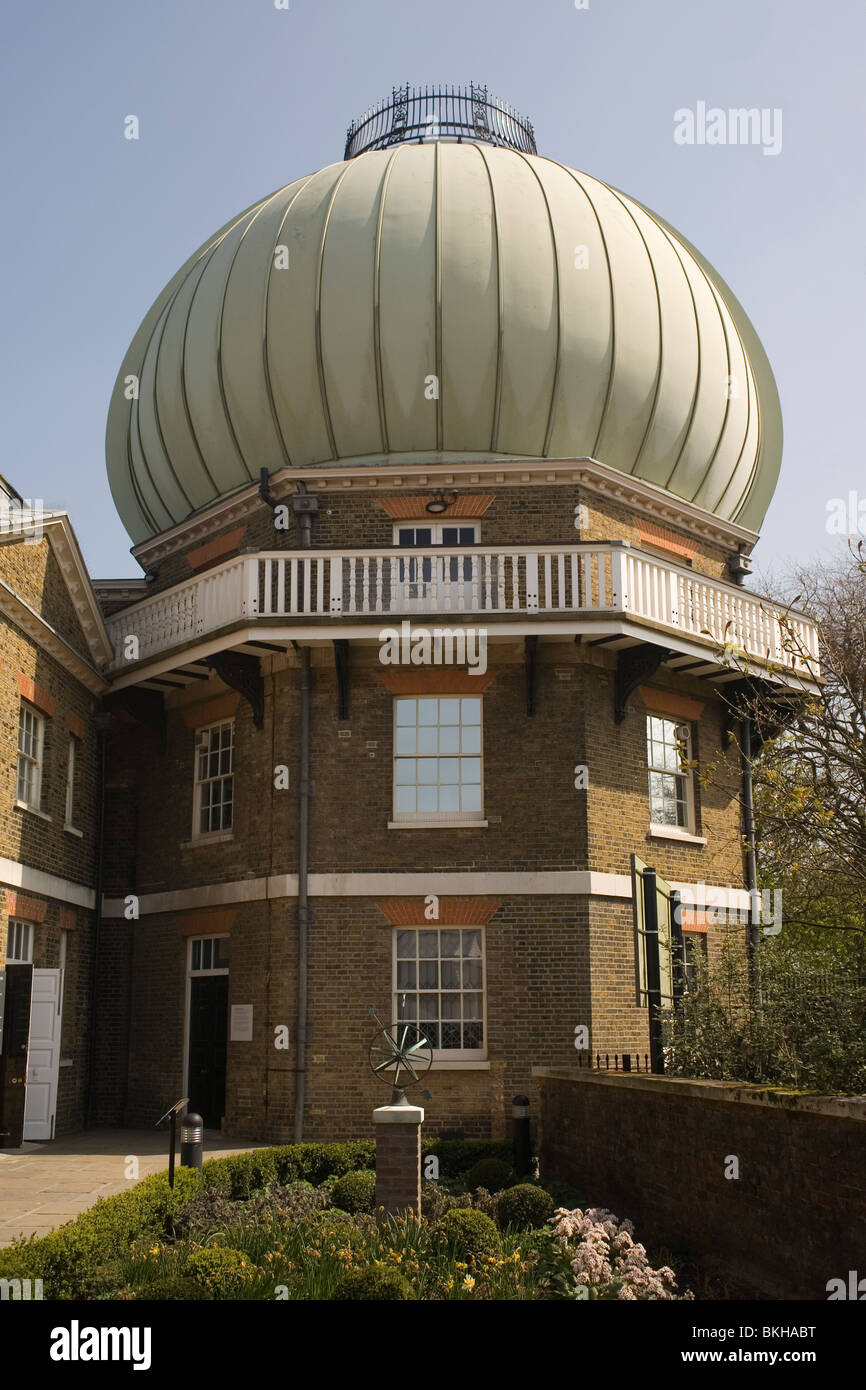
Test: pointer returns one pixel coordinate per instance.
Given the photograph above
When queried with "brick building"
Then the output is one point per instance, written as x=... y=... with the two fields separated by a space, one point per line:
x=53 y=650
x=443 y=465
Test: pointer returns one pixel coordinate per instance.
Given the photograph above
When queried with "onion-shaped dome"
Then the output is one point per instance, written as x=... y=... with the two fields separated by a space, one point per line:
x=451 y=302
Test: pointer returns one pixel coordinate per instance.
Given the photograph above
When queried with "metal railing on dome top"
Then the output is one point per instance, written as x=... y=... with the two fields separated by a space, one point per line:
x=439 y=113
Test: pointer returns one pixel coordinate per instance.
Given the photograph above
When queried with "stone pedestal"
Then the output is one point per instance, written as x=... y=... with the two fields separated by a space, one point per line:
x=398 y=1158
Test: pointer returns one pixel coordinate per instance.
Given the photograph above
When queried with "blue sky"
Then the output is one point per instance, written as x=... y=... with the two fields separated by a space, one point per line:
x=236 y=98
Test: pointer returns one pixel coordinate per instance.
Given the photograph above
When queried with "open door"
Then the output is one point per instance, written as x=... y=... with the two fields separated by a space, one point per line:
x=43 y=1054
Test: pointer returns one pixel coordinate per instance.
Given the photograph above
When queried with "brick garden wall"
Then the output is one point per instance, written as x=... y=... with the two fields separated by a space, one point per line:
x=655 y=1150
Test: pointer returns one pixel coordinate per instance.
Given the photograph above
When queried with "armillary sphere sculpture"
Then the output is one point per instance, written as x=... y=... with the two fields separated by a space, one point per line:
x=401 y=1049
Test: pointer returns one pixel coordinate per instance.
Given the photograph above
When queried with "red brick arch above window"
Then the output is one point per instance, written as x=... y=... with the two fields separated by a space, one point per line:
x=665 y=540
x=35 y=695
x=212 y=922
x=205 y=712
x=411 y=508
x=453 y=912
x=25 y=909
x=670 y=703
x=438 y=682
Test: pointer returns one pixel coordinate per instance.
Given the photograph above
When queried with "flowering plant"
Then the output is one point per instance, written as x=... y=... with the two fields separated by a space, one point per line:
x=592 y=1255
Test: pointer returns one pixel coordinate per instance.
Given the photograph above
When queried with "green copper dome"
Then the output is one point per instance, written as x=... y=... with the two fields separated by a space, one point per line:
x=559 y=318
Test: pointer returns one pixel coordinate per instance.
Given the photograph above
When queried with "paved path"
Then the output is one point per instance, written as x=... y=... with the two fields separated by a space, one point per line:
x=44 y=1185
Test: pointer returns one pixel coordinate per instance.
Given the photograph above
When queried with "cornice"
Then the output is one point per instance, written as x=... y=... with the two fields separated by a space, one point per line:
x=370 y=475
x=57 y=528
x=38 y=630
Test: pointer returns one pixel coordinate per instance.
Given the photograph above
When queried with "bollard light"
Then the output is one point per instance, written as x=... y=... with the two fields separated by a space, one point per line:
x=522 y=1153
x=191 y=1136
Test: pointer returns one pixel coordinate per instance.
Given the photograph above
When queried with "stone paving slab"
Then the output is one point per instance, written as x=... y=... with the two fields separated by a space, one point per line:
x=44 y=1185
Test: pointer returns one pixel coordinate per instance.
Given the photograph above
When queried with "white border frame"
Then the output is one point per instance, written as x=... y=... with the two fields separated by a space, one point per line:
x=203 y=836
x=674 y=832
x=462 y=1055
x=401 y=819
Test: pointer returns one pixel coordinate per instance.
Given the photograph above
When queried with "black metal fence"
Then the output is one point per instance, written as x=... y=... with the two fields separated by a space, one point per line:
x=440 y=113
x=616 y=1061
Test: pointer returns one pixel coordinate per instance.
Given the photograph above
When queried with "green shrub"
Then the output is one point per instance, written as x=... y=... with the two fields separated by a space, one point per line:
x=172 y=1288
x=219 y=1270
x=457 y=1156
x=378 y=1282
x=71 y=1259
x=466 y=1235
x=285 y=1164
x=523 y=1208
x=490 y=1173
x=355 y=1191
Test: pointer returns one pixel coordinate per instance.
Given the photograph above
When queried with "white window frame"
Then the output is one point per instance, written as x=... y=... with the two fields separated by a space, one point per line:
x=697 y=940
x=35 y=761
x=436 y=528
x=444 y=1054
x=685 y=777
x=19 y=942
x=203 y=731
x=210 y=969
x=71 y=762
x=434 y=818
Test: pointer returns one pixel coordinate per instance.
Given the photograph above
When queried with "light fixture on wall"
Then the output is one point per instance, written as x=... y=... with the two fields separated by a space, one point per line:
x=439 y=502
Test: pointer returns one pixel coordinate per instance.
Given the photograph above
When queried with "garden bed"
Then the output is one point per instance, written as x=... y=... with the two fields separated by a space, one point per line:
x=299 y=1223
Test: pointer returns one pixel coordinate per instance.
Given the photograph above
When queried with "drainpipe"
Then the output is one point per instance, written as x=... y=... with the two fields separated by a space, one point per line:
x=102 y=723
x=304 y=507
x=753 y=939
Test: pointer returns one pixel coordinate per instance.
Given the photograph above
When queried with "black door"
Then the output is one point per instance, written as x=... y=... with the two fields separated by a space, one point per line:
x=13 y=1054
x=208 y=1011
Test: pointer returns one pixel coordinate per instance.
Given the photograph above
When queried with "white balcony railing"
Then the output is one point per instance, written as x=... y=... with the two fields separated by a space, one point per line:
x=531 y=581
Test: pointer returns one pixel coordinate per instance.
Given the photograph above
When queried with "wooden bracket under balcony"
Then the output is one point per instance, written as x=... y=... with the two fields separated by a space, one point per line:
x=634 y=667
x=242 y=673
x=768 y=709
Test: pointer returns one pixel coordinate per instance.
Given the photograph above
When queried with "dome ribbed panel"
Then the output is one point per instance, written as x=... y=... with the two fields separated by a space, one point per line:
x=245 y=384
x=405 y=267
x=587 y=330
x=291 y=345
x=469 y=299
x=561 y=318
x=529 y=306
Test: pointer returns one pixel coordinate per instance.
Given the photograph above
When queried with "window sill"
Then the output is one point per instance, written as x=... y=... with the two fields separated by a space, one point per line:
x=673 y=832
x=72 y=830
x=34 y=810
x=215 y=837
x=437 y=824
x=459 y=1064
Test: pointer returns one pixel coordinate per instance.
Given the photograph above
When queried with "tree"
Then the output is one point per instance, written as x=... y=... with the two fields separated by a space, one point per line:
x=810 y=778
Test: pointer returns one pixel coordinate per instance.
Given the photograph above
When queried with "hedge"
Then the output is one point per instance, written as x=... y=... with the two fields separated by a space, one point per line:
x=69 y=1259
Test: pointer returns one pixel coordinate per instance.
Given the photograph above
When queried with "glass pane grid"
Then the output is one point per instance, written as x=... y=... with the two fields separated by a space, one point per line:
x=437 y=756
x=439 y=985
x=667 y=784
x=214 y=778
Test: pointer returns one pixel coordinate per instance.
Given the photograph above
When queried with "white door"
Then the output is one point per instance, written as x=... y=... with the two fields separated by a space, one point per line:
x=43 y=1055
x=431 y=583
